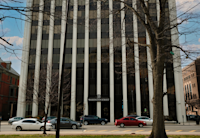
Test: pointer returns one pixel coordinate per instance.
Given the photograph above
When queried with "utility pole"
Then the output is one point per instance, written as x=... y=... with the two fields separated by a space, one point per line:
x=61 y=78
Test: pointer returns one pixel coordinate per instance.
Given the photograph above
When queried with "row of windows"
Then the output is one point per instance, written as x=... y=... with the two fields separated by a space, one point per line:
x=10 y=79
x=188 y=92
x=188 y=77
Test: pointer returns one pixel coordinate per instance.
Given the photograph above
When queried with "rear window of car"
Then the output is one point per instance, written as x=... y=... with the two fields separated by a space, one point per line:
x=132 y=119
x=65 y=119
x=126 y=119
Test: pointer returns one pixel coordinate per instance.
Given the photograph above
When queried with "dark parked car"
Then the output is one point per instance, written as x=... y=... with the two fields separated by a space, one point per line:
x=14 y=119
x=65 y=123
x=92 y=119
x=48 y=118
x=129 y=121
x=192 y=117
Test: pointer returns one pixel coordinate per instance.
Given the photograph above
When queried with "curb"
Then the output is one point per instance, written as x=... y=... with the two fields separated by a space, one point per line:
x=95 y=133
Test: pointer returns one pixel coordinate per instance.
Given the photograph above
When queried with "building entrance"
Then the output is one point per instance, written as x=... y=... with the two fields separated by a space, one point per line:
x=105 y=110
x=92 y=108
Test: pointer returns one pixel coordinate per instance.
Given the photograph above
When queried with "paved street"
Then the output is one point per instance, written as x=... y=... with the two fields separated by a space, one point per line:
x=187 y=129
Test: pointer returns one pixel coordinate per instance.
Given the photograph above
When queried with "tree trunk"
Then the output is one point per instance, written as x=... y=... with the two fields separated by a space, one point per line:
x=158 y=130
x=45 y=121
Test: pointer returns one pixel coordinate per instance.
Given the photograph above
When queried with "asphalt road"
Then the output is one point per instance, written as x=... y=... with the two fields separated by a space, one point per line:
x=112 y=129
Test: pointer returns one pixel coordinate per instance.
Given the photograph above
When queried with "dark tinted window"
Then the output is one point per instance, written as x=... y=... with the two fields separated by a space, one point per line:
x=132 y=119
x=28 y=121
x=126 y=119
x=64 y=119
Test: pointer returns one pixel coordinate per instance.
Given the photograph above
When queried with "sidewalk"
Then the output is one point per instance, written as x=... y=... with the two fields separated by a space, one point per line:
x=93 y=133
x=4 y=122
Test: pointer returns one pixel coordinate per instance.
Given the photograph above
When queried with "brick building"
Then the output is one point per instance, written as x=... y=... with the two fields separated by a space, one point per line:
x=191 y=86
x=9 y=81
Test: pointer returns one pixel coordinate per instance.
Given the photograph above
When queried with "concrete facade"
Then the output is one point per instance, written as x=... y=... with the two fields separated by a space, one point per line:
x=106 y=79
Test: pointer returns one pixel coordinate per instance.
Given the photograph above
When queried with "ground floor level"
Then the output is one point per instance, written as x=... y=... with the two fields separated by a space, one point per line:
x=101 y=106
x=8 y=109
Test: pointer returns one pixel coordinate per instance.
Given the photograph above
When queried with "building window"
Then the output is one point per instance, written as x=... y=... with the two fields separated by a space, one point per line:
x=17 y=92
x=188 y=92
x=10 y=80
x=191 y=91
x=185 y=93
x=11 y=92
x=15 y=81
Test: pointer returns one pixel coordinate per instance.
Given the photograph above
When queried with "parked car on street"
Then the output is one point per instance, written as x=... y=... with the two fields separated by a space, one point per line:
x=65 y=123
x=30 y=124
x=92 y=119
x=192 y=117
x=48 y=118
x=14 y=119
x=146 y=119
x=129 y=121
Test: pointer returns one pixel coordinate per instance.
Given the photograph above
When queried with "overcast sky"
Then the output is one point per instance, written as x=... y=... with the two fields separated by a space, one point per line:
x=13 y=31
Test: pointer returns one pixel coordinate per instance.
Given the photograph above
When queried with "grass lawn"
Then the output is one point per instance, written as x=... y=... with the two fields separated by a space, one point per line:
x=89 y=136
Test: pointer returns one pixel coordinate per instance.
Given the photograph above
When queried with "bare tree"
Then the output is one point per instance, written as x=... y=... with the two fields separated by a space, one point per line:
x=16 y=11
x=161 y=33
x=47 y=95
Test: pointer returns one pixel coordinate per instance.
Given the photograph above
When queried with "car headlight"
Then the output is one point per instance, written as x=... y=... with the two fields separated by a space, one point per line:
x=106 y=119
x=78 y=123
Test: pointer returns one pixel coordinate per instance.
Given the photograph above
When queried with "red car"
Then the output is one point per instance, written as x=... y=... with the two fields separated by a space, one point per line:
x=129 y=121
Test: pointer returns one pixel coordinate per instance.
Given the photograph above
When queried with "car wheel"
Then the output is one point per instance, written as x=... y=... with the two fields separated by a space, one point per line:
x=103 y=122
x=122 y=125
x=18 y=128
x=74 y=127
x=140 y=125
x=42 y=128
x=86 y=123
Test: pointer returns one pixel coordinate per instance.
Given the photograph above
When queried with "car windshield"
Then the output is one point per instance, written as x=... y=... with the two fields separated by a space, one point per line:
x=69 y=119
x=39 y=121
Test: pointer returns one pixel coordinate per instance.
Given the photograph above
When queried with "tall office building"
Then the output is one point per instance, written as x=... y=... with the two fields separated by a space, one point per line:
x=109 y=76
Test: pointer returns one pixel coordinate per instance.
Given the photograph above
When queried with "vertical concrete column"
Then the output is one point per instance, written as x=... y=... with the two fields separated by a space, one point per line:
x=150 y=77
x=136 y=57
x=99 y=56
x=165 y=98
x=62 y=42
x=73 y=77
x=158 y=10
x=180 y=103
x=86 y=59
x=111 y=63
x=124 y=75
x=21 y=105
x=50 y=56
x=37 y=60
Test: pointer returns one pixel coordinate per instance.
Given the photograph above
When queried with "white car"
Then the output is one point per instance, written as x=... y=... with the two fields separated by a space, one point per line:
x=146 y=119
x=30 y=124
